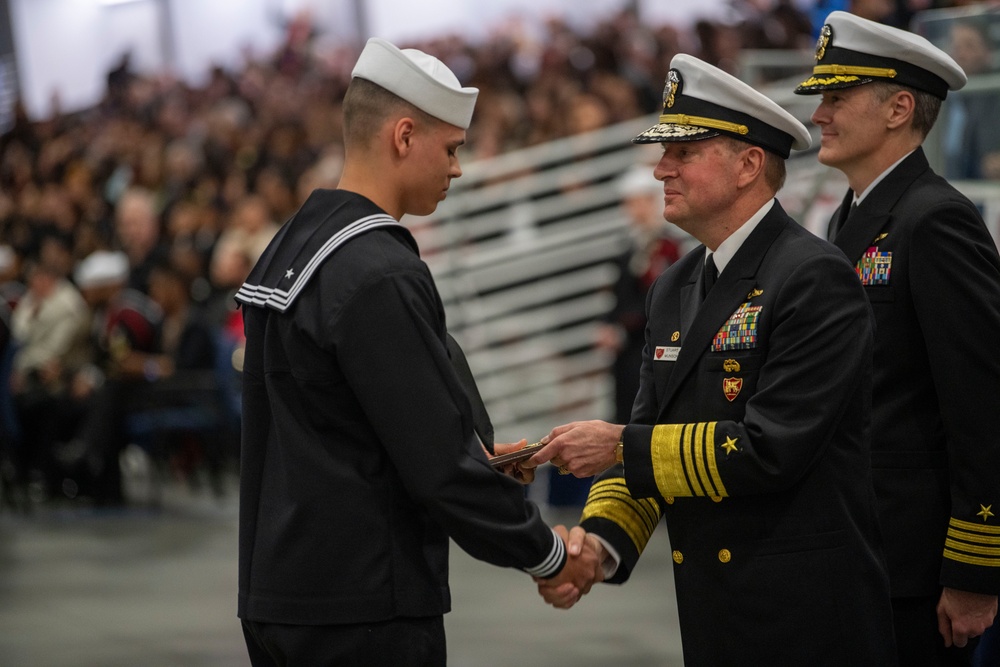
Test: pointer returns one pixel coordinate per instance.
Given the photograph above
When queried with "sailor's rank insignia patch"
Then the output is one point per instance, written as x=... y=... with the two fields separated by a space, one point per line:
x=731 y=387
x=740 y=330
x=874 y=267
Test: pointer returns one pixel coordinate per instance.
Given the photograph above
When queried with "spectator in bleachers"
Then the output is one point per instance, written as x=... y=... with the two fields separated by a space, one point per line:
x=181 y=373
x=49 y=327
x=650 y=251
x=971 y=140
x=125 y=328
x=137 y=228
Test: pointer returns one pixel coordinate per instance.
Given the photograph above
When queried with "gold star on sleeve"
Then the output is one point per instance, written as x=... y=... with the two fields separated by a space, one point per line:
x=729 y=445
x=985 y=512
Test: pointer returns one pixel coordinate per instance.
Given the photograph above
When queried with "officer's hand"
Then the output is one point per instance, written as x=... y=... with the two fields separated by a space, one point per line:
x=963 y=615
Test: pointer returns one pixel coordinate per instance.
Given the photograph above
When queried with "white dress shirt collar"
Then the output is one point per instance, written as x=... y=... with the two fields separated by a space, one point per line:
x=871 y=186
x=727 y=249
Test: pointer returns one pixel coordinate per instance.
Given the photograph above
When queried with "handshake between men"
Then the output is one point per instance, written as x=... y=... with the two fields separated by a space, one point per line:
x=583 y=449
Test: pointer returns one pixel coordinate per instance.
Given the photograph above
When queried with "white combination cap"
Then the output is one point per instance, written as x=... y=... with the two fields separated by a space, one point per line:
x=852 y=51
x=101 y=268
x=419 y=78
x=701 y=101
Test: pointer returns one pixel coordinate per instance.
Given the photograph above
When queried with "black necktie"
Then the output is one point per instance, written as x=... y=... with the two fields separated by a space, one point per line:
x=839 y=224
x=710 y=274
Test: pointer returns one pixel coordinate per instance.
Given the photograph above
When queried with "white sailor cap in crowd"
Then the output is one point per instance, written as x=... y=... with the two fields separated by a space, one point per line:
x=101 y=268
x=852 y=51
x=419 y=78
x=701 y=101
x=637 y=181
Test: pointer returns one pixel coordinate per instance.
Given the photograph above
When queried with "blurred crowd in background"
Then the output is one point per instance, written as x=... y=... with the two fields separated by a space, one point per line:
x=125 y=229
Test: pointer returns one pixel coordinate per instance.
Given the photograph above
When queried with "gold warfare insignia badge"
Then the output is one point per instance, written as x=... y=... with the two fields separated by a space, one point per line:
x=731 y=366
x=670 y=90
x=675 y=336
x=825 y=34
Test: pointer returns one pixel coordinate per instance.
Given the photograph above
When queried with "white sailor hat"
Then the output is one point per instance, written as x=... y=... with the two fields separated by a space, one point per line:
x=852 y=51
x=419 y=78
x=701 y=101
x=7 y=257
x=638 y=181
x=101 y=268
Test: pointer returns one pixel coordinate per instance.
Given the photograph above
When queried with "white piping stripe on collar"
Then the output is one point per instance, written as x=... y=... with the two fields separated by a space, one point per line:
x=279 y=299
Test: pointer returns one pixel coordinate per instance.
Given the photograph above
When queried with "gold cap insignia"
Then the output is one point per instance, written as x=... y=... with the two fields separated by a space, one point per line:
x=731 y=366
x=670 y=90
x=825 y=35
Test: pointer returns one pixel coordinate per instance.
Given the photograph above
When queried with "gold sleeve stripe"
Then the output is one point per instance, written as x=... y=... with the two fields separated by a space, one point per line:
x=665 y=451
x=689 y=455
x=993 y=552
x=699 y=459
x=618 y=491
x=972 y=537
x=616 y=488
x=713 y=467
x=971 y=560
x=609 y=499
x=683 y=458
x=974 y=527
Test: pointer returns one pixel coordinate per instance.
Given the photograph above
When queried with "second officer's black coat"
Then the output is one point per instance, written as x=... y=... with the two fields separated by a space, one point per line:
x=932 y=274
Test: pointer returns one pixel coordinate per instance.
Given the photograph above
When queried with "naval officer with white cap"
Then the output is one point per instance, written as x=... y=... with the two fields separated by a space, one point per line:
x=359 y=455
x=749 y=433
x=932 y=274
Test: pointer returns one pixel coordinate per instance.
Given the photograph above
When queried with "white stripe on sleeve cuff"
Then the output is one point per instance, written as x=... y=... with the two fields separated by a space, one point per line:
x=553 y=562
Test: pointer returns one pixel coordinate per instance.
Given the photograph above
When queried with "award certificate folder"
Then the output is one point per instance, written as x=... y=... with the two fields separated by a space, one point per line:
x=514 y=457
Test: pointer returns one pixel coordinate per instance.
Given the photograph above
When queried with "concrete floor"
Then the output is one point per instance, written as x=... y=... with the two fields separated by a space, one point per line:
x=157 y=587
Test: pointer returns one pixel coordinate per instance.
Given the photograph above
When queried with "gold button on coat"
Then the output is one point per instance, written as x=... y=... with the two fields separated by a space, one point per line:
x=725 y=556
x=670 y=500
x=678 y=557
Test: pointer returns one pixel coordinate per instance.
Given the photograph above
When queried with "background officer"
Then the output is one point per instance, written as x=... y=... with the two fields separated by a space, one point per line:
x=931 y=272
